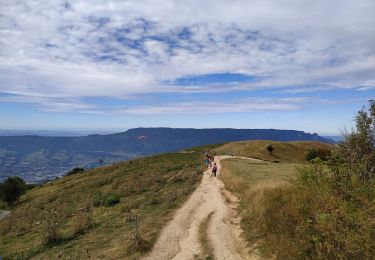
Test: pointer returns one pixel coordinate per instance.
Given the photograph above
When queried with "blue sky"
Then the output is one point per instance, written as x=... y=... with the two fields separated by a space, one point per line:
x=284 y=64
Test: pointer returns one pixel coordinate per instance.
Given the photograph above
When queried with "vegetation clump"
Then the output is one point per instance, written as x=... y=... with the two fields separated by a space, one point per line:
x=328 y=212
x=75 y=171
x=82 y=222
x=111 y=199
x=322 y=154
x=324 y=210
x=51 y=225
x=270 y=148
x=12 y=189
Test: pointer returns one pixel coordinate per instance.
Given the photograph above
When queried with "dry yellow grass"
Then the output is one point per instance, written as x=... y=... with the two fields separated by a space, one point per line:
x=248 y=178
x=249 y=181
x=306 y=219
x=292 y=152
x=252 y=180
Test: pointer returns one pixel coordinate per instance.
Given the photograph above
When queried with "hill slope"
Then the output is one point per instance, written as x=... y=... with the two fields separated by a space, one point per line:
x=77 y=216
x=87 y=222
x=291 y=152
x=41 y=157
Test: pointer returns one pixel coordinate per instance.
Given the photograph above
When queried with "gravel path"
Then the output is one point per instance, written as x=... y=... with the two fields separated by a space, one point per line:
x=180 y=238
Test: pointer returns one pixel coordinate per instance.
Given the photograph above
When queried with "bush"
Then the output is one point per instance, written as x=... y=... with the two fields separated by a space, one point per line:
x=75 y=171
x=111 y=199
x=107 y=200
x=53 y=218
x=322 y=154
x=270 y=148
x=82 y=222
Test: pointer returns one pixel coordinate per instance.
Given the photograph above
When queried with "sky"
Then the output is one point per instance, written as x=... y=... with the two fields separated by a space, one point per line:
x=283 y=64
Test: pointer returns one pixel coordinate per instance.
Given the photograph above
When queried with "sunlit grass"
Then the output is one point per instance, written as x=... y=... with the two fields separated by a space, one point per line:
x=145 y=188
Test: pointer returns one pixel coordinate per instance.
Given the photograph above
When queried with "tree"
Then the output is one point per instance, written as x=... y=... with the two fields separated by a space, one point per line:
x=12 y=189
x=270 y=148
x=357 y=151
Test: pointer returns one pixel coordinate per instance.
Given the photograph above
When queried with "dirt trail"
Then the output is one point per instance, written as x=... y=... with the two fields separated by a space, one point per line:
x=3 y=214
x=180 y=238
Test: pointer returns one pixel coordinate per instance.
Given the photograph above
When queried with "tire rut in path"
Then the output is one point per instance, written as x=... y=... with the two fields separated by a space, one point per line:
x=180 y=239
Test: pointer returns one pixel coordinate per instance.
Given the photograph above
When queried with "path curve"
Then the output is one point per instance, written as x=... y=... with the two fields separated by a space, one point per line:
x=180 y=238
x=3 y=214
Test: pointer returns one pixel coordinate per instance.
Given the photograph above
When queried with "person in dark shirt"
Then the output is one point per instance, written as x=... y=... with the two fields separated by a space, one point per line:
x=214 y=170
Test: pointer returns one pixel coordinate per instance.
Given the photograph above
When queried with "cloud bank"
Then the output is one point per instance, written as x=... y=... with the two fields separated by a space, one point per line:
x=56 y=54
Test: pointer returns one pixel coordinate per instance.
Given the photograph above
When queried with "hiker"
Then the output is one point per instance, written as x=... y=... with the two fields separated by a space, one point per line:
x=207 y=162
x=214 y=170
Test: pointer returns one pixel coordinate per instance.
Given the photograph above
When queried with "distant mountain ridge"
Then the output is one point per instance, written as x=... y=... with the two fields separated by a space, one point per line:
x=51 y=133
x=39 y=157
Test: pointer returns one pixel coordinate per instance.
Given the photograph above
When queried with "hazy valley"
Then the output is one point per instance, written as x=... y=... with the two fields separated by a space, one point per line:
x=40 y=158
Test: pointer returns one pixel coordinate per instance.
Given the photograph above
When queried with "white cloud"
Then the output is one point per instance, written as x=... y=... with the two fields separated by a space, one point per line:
x=243 y=105
x=215 y=107
x=369 y=84
x=120 y=49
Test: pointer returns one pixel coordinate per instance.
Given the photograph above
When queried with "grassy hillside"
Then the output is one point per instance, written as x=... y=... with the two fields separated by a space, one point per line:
x=250 y=180
x=291 y=152
x=112 y=212
x=78 y=216
x=319 y=210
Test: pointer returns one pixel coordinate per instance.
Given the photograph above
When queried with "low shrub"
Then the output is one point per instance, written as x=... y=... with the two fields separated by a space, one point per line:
x=129 y=205
x=111 y=199
x=108 y=199
x=322 y=154
x=82 y=222
x=270 y=148
x=97 y=200
x=51 y=226
x=75 y=171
